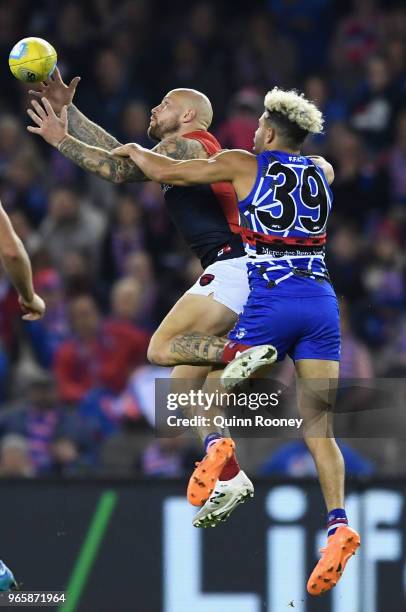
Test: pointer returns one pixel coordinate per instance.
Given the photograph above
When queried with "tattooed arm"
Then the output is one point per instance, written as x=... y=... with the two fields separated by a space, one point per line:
x=99 y=161
x=235 y=166
x=96 y=159
x=121 y=169
x=81 y=128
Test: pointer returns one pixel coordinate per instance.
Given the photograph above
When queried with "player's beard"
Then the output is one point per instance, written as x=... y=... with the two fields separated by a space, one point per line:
x=160 y=130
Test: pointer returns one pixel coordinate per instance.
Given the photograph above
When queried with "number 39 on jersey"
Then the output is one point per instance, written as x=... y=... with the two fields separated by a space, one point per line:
x=291 y=197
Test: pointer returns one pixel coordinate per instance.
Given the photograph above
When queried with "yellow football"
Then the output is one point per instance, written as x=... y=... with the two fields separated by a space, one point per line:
x=32 y=59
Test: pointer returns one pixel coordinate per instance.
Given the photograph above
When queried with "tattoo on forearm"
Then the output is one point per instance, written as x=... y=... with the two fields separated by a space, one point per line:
x=85 y=132
x=98 y=161
x=196 y=348
x=88 y=132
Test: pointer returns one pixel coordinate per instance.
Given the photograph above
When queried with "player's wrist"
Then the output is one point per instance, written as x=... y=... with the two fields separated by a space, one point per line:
x=27 y=298
x=60 y=143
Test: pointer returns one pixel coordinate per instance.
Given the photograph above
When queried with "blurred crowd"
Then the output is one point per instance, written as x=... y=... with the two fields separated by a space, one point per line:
x=76 y=390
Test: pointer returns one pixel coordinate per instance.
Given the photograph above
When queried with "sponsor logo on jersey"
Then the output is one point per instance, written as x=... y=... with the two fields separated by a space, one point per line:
x=206 y=279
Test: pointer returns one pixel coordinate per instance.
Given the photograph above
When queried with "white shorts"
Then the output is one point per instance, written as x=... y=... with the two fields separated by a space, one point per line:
x=226 y=281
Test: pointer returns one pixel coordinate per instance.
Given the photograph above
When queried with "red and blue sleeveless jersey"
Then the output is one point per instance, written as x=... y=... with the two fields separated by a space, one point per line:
x=206 y=215
x=285 y=215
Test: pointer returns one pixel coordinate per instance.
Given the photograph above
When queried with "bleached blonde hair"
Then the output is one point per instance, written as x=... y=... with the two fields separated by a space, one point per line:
x=296 y=108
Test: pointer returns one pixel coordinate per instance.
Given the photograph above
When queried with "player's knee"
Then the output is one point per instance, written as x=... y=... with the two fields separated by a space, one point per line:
x=158 y=352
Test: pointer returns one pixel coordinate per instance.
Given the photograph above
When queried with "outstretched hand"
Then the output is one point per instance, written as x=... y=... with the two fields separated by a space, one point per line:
x=53 y=129
x=56 y=91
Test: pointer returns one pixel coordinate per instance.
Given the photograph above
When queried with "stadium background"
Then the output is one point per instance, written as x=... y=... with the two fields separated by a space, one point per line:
x=115 y=245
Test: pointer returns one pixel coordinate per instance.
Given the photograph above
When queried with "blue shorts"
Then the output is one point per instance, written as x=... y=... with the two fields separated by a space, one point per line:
x=303 y=324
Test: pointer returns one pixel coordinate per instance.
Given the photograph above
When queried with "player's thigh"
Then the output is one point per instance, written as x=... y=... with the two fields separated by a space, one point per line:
x=196 y=313
x=316 y=394
x=211 y=306
x=317 y=368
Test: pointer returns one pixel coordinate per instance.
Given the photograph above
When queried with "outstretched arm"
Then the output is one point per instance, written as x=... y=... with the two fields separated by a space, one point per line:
x=123 y=169
x=99 y=161
x=96 y=159
x=88 y=132
x=225 y=166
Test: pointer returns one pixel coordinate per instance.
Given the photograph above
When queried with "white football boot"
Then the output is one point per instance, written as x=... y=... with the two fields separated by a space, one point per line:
x=226 y=496
x=246 y=363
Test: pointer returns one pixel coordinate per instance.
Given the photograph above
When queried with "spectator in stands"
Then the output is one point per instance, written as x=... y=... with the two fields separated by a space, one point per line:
x=54 y=437
x=26 y=177
x=373 y=108
x=237 y=131
x=345 y=262
x=357 y=38
x=125 y=236
x=356 y=360
x=397 y=162
x=167 y=458
x=14 y=457
x=126 y=299
x=333 y=109
x=78 y=274
x=134 y=123
x=9 y=317
x=71 y=225
x=101 y=353
x=293 y=459
x=47 y=334
x=104 y=97
x=307 y=26
x=356 y=180
x=139 y=267
x=25 y=231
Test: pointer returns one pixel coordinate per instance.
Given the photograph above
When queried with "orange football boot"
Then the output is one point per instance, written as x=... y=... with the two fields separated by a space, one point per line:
x=208 y=470
x=340 y=547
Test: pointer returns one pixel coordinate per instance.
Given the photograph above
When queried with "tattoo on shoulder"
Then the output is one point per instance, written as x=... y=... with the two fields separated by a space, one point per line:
x=178 y=147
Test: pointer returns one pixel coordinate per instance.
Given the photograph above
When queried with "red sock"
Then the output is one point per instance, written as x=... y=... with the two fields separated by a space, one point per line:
x=230 y=469
x=231 y=349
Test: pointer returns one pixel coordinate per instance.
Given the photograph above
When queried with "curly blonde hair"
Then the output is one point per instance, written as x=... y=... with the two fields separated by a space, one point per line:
x=296 y=108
